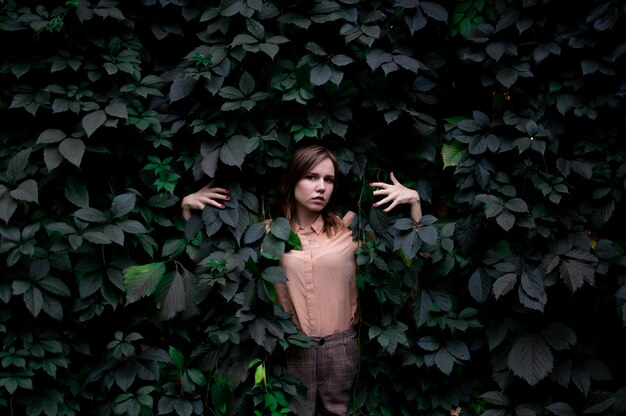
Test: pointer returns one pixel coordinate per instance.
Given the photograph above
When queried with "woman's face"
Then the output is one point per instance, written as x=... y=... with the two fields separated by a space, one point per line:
x=313 y=191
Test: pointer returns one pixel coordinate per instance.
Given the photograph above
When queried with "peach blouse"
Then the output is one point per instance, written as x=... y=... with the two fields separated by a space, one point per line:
x=320 y=290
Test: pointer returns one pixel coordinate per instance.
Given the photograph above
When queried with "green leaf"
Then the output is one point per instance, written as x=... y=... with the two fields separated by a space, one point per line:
x=26 y=191
x=479 y=286
x=16 y=169
x=181 y=88
x=280 y=228
x=320 y=74
x=232 y=152
x=507 y=77
x=428 y=234
x=51 y=136
x=119 y=110
x=76 y=192
x=272 y=248
x=173 y=247
x=506 y=220
x=434 y=10
x=559 y=336
x=452 y=153
x=142 y=280
x=123 y=204
x=530 y=358
x=504 y=284
x=259 y=376
x=90 y=215
x=132 y=227
x=92 y=121
x=444 y=361
x=274 y=274
x=175 y=298
x=177 y=357
x=254 y=232
x=72 y=150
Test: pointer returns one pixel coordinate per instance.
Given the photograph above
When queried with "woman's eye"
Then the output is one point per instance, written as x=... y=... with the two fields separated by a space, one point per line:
x=329 y=180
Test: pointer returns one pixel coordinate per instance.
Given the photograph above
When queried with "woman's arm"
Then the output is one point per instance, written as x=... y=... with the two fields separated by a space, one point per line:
x=395 y=194
x=205 y=196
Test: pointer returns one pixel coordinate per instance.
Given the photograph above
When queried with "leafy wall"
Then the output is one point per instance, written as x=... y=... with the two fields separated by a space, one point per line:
x=507 y=116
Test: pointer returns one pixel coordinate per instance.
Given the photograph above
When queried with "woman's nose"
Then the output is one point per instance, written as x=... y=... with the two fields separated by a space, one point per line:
x=321 y=185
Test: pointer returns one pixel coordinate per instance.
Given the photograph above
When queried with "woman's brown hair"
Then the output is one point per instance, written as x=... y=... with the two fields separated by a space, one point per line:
x=301 y=163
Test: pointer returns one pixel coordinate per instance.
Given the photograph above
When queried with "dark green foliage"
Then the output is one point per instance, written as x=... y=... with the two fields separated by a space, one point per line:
x=509 y=297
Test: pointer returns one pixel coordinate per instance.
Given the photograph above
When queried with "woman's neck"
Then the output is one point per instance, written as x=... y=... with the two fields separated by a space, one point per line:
x=306 y=221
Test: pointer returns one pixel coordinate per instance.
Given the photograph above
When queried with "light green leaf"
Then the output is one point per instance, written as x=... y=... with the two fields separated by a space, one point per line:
x=142 y=280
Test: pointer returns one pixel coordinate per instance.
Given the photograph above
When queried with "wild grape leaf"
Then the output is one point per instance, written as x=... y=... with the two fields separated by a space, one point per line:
x=91 y=122
x=174 y=298
x=530 y=358
x=142 y=280
x=479 y=286
x=123 y=204
x=72 y=150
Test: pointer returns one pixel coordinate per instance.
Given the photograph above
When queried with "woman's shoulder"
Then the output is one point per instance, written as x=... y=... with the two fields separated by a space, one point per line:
x=348 y=218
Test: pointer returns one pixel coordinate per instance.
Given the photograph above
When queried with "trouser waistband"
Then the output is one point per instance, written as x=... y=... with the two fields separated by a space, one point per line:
x=337 y=338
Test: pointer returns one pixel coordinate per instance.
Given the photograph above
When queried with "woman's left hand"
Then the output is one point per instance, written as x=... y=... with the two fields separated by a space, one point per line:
x=395 y=194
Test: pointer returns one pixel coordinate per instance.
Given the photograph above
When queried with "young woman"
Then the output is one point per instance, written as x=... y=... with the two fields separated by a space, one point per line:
x=320 y=291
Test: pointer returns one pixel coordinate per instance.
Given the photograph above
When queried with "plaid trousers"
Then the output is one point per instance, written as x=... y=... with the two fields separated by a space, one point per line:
x=328 y=369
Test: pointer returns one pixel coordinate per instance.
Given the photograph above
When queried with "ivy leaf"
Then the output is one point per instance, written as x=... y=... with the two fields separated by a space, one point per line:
x=458 y=349
x=273 y=274
x=507 y=77
x=530 y=358
x=434 y=10
x=232 y=152
x=272 y=248
x=119 y=110
x=444 y=360
x=506 y=220
x=181 y=88
x=26 y=191
x=320 y=74
x=50 y=136
x=516 y=205
x=409 y=63
x=558 y=335
x=229 y=216
x=280 y=228
x=175 y=299
x=254 y=232
x=504 y=284
x=408 y=242
x=52 y=157
x=428 y=234
x=132 y=227
x=123 y=204
x=479 y=286
x=246 y=84
x=142 y=280
x=561 y=409
x=72 y=150
x=92 y=121
x=16 y=169
x=377 y=57
x=496 y=398
x=452 y=153
x=76 y=192
x=90 y=215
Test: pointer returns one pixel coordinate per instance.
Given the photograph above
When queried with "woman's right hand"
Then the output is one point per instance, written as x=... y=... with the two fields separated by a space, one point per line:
x=208 y=195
